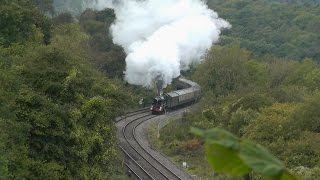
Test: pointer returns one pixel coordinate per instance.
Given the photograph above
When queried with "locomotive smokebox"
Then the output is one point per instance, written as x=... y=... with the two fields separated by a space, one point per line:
x=159 y=85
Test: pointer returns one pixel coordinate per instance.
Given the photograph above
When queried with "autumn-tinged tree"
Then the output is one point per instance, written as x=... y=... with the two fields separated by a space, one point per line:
x=22 y=22
x=57 y=111
x=108 y=57
x=285 y=29
x=224 y=70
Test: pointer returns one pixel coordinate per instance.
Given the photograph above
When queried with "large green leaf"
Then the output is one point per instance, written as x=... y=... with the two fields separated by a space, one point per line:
x=260 y=160
x=228 y=154
x=222 y=149
x=226 y=160
x=218 y=136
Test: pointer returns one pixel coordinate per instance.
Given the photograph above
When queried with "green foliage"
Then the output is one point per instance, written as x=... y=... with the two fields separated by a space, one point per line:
x=229 y=162
x=12 y=17
x=107 y=56
x=45 y=6
x=258 y=73
x=252 y=101
x=223 y=71
x=303 y=152
x=286 y=29
x=21 y=22
x=308 y=174
x=307 y=116
x=279 y=128
x=240 y=120
x=272 y=101
x=291 y=93
x=63 y=18
x=228 y=154
x=272 y=124
x=75 y=6
x=57 y=111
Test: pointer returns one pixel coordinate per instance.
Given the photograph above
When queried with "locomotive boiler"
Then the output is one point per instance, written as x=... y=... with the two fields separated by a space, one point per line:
x=188 y=93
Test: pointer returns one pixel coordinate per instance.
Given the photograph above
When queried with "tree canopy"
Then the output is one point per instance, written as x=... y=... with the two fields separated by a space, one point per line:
x=288 y=29
x=57 y=110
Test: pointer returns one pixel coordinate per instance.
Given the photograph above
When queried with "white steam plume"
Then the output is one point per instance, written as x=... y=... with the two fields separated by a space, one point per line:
x=162 y=37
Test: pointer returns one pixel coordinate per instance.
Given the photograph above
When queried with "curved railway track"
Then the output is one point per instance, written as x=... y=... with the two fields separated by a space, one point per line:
x=140 y=163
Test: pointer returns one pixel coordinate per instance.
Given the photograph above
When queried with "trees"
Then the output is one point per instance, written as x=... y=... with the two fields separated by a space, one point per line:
x=45 y=6
x=108 y=57
x=21 y=22
x=57 y=111
x=286 y=30
x=228 y=154
x=269 y=100
x=224 y=70
x=307 y=116
x=17 y=23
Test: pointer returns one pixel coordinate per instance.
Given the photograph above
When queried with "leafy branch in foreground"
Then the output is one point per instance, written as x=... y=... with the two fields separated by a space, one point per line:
x=231 y=155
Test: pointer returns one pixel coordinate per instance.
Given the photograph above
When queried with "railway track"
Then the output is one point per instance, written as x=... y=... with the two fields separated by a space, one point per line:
x=140 y=163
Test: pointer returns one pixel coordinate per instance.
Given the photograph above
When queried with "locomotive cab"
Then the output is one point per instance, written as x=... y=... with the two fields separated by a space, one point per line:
x=158 y=105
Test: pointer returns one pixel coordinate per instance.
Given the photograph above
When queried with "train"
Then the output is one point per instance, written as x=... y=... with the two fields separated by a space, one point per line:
x=187 y=92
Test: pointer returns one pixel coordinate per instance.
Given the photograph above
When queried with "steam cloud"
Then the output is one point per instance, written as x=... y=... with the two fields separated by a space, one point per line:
x=162 y=37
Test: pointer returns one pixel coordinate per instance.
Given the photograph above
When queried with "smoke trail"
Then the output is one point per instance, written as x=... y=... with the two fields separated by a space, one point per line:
x=162 y=37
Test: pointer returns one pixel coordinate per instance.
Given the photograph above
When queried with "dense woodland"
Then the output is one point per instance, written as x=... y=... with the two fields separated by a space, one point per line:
x=282 y=30
x=56 y=107
x=61 y=87
x=261 y=82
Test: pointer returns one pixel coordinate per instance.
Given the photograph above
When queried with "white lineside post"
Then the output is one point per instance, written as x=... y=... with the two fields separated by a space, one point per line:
x=184 y=165
x=141 y=103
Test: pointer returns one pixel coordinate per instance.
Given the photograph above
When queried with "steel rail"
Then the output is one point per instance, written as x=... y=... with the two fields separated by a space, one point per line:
x=134 y=149
x=131 y=170
x=133 y=113
x=135 y=162
x=140 y=153
x=145 y=118
x=136 y=139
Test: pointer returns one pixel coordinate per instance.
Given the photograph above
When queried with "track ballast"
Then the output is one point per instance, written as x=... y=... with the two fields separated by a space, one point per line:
x=139 y=161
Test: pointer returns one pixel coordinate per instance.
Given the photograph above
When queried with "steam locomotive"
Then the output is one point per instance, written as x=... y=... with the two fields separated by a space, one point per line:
x=187 y=93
